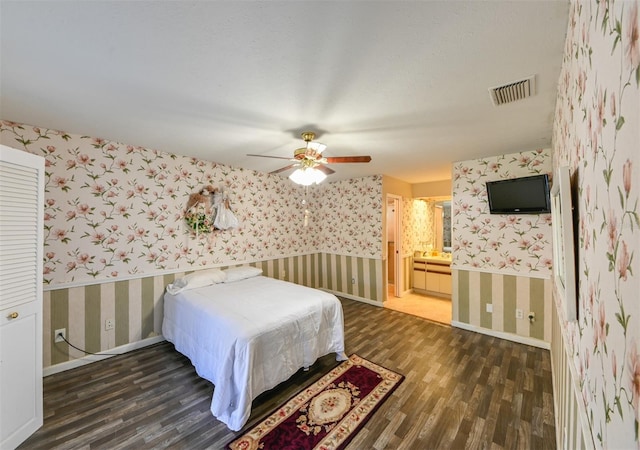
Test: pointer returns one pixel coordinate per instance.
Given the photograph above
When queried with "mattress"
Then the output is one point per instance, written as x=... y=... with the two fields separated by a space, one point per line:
x=248 y=336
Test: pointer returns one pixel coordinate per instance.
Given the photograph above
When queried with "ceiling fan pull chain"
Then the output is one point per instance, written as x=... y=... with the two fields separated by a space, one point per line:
x=306 y=210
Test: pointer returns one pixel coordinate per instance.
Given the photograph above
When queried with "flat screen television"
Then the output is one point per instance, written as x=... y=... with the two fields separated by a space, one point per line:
x=526 y=195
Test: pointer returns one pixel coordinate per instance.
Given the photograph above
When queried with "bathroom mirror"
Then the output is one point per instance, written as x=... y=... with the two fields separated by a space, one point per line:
x=442 y=226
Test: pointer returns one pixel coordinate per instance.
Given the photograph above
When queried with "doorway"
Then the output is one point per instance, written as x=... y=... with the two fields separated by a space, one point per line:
x=435 y=303
x=394 y=246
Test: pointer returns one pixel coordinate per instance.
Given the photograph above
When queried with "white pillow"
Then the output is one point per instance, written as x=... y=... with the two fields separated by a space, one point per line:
x=216 y=275
x=197 y=279
x=240 y=273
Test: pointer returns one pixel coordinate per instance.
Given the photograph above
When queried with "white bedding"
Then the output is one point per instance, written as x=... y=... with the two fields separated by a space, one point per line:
x=248 y=336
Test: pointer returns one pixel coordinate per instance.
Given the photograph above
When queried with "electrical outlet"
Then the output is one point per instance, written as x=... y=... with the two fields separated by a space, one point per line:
x=59 y=334
x=519 y=314
x=109 y=324
x=489 y=307
x=353 y=281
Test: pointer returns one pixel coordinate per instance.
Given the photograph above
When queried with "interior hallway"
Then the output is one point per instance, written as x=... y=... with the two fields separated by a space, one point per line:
x=433 y=308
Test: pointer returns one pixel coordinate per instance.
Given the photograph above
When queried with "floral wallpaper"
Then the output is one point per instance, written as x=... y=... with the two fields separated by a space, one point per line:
x=499 y=243
x=114 y=210
x=349 y=217
x=417 y=225
x=596 y=133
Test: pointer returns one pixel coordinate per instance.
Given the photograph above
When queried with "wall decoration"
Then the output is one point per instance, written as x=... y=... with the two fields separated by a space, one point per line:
x=224 y=217
x=209 y=210
x=563 y=249
x=199 y=212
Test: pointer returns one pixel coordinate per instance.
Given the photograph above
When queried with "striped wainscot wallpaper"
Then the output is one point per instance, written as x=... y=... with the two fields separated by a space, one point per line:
x=354 y=277
x=572 y=424
x=136 y=304
x=474 y=290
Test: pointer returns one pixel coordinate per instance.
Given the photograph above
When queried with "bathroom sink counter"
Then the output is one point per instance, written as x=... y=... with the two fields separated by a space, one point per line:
x=434 y=259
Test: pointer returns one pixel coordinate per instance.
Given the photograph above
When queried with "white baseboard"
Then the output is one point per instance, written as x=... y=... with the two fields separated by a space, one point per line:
x=502 y=335
x=353 y=297
x=68 y=365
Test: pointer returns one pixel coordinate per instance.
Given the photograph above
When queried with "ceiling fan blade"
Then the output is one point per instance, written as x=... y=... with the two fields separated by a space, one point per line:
x=290 y=166
x=347 y=159
x=325 y=169
x=267 y=156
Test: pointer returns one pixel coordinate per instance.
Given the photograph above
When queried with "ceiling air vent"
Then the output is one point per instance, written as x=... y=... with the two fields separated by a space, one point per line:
x=513 y=91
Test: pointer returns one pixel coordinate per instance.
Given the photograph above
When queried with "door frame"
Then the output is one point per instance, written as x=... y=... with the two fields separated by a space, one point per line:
x=397 y=237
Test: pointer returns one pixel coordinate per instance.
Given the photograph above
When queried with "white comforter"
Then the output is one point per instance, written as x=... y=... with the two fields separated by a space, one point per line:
x=248 y=336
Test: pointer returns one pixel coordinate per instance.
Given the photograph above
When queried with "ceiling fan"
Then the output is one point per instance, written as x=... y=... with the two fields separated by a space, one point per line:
x=310 y=157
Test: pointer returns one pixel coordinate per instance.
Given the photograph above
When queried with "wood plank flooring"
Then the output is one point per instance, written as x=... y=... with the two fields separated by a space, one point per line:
x=462 y=390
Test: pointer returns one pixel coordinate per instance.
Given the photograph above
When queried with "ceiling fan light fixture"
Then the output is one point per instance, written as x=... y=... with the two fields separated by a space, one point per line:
x=316 y=147
x=306 y=176
x=310 y=162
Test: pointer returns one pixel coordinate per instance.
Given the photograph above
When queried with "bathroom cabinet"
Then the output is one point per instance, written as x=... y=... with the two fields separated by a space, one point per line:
x=432 y=276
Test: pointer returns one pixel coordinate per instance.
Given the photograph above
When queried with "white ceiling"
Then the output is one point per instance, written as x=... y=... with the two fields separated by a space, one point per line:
x=404 y=82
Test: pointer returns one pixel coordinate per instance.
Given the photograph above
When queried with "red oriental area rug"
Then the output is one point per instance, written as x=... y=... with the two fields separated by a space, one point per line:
x=327 y=414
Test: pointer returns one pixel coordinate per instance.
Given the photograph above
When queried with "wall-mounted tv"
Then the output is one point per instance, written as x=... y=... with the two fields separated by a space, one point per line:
x=526 y=195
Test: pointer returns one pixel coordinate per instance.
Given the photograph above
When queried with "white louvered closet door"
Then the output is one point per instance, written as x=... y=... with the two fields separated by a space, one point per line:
x=21 y=247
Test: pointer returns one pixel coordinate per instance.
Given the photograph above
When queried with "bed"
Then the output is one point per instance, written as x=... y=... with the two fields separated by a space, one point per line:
x=247 y=333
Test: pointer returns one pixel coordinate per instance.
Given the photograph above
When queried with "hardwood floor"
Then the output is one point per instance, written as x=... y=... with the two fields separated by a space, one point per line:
x=462 y=390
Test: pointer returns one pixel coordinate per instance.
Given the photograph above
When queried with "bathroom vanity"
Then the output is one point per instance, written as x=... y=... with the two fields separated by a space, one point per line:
x=432 y=275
